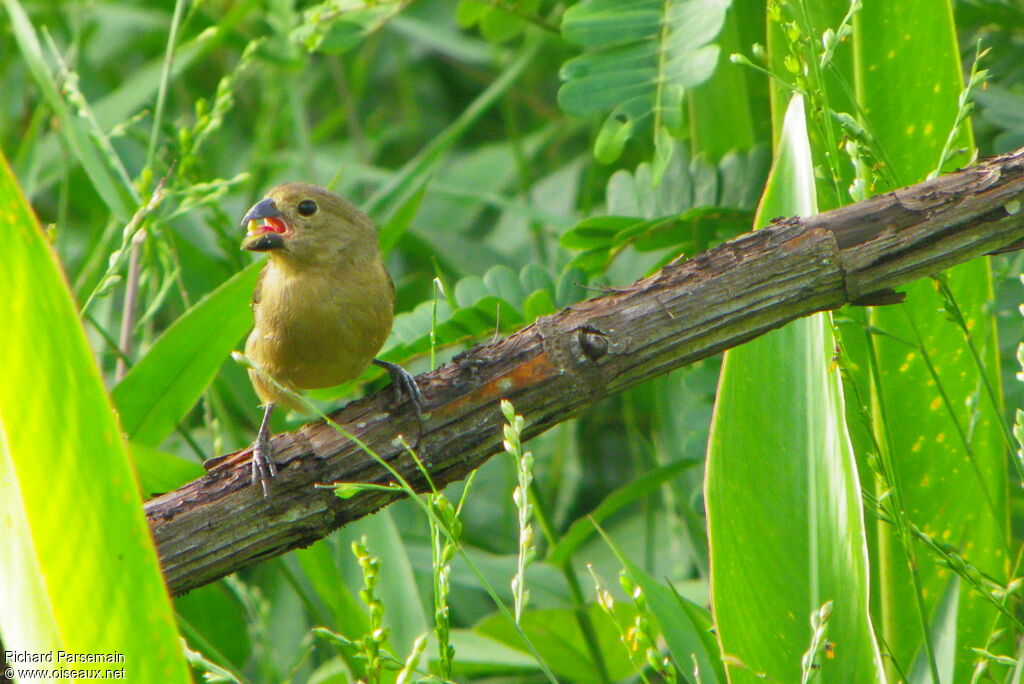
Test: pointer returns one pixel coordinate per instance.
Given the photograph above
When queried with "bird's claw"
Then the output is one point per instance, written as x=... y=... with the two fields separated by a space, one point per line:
x=263 y=467
x=404 y=385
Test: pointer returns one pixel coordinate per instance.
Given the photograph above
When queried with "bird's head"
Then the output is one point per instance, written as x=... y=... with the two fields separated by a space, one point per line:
x=304 y=223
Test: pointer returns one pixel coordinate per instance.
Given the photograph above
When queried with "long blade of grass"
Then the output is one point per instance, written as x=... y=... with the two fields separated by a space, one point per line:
x=163 y=386
x=391 y=198
x=685 y=626
x=78 y=571
x=952 y=488
x=783 y=498
x=583 y=528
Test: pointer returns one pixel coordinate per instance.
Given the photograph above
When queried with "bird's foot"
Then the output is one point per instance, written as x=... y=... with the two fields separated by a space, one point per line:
x=403 y=384
x=263 y=467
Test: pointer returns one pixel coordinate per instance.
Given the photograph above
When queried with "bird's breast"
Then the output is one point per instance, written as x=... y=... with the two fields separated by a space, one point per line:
x=319 y=330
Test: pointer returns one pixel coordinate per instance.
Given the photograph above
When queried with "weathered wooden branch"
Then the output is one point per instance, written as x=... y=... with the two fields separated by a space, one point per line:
x=563 y=363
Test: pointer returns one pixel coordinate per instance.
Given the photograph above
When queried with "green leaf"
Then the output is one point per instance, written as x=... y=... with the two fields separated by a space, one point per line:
x=160 y=471
x=583 y=528
x=504 y=282
x=696 y=230
x=408 y=179
x=341 y=37
x=166 y=383
x=783 y=496
x=696 y=206
x=533 y=277
x=399 y=222
x=321 y=566
x=85 y=149
x=497 y=302
x=645 y=54
x=469 y=12
x=599 y=231
x=333 y=29
x=497 y=24
x=662 y=153
x=946 y=446
x=558 y=638
x=481 y=656
x=686 y=627
x=212 y=615
x=722 y=112
x=571 y=286
x=538 y=303
x=78 y=571
x=612 y=138
x=396 y=584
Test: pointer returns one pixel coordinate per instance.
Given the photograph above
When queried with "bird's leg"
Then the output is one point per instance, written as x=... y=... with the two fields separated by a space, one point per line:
x=263 y=468
x=402 y=383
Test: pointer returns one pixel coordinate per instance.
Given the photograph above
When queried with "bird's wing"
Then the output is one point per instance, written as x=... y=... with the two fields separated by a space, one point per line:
x=391 y=284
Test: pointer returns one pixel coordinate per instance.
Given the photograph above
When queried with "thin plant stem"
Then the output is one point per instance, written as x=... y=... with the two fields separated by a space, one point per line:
x=131 y=295
x=899 y=511
x=403 y=485
x=165 y=79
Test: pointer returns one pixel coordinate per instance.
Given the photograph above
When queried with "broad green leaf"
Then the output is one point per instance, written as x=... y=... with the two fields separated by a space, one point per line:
x=481 y=656
x=496 y=24
x=396 y=584
x=320 y=565
x=953 y=487
x=399 y=222
x=160 y=471
x=78 y=571
x=559 y=640
x=686 y=627
x=582 y=528
x=166 y=383
x=783 y=497
x=722 y=110
x=644 y=55
x=212 y=615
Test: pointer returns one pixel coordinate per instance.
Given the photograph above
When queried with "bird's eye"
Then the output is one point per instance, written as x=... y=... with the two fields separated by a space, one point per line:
x=307 y=207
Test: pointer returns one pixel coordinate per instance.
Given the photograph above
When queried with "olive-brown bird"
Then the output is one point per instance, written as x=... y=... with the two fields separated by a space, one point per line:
x=323 y=304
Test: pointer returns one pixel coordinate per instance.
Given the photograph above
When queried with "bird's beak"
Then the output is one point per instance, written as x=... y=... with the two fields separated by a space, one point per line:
x=266 y=228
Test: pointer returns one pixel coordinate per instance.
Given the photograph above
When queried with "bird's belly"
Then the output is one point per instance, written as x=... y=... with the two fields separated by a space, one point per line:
x=319 y=342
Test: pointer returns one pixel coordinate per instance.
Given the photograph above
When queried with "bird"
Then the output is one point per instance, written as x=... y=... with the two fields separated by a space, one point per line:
x=323 y=304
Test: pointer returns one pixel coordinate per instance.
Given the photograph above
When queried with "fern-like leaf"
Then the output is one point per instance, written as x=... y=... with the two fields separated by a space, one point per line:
x=643 y=56
x=499 y=20
x=695 y=207
x=499 y=302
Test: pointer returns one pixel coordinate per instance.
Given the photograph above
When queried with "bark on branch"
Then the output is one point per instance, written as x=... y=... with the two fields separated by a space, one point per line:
x=563 y=363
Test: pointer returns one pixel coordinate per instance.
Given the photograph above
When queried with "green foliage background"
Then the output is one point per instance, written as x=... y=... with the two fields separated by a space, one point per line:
x=517 y=156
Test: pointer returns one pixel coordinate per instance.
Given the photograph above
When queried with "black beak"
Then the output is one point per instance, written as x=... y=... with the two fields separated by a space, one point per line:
x=265 y=208
x=264 y=242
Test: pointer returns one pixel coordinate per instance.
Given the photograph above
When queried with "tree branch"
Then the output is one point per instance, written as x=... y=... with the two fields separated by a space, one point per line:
x=561 y=364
